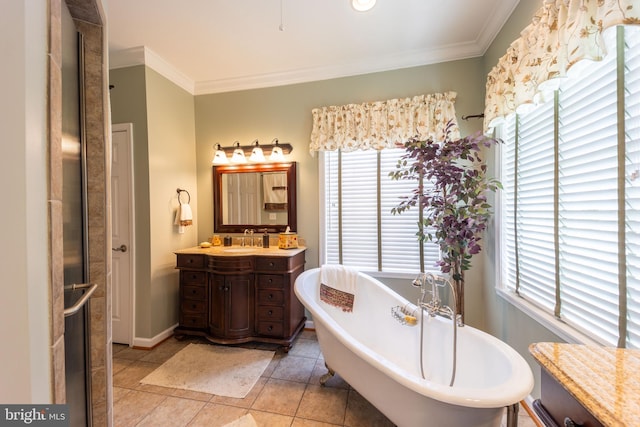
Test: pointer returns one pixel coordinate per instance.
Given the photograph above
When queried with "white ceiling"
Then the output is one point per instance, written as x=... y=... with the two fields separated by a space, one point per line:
x=209 y=46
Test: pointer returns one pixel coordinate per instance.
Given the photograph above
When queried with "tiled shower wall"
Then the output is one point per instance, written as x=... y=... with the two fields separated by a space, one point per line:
x=90 y=18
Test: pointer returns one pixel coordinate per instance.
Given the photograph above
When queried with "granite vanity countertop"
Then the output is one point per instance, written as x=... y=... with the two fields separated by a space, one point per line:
x=605 y=380
x=241 y=251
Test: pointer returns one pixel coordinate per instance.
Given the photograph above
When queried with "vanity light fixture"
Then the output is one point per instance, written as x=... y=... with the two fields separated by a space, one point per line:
x=363 y=5
x=238 y=154
x=220 y=158
x=257 y=156
x=274 y=153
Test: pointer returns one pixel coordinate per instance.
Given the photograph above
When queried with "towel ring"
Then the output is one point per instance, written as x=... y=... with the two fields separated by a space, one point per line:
x=180 y=191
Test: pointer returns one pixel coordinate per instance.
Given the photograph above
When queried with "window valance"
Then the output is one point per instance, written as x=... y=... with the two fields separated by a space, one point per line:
x=378 y=125
x=563 y=32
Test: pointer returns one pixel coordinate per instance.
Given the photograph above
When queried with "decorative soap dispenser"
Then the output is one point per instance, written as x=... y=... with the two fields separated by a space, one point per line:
x=265 y=239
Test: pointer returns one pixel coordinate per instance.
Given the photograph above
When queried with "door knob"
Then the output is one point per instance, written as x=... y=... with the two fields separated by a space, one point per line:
x=122 y=248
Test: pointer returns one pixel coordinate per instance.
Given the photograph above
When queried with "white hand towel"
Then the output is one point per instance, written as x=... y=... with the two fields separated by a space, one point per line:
x=186 y=216
x=338 y=286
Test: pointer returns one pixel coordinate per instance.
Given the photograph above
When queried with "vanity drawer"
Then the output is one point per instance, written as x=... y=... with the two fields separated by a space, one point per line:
x=194 y=292
x=193 y=321
x=269 y=313
x=193 y=306
x=267 y=281
x=193 y=277
x=270 y=296
x=190 y=261
x=272 y=264
x=271 y=328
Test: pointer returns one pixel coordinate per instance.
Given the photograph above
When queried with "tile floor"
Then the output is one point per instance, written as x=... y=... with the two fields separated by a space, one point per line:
x=288 y=393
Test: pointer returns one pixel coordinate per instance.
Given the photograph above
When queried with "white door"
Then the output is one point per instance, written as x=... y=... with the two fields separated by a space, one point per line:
x=122 y=267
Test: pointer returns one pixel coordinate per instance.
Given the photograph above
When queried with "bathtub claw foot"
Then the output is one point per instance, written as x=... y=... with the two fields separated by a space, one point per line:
x=326 y=377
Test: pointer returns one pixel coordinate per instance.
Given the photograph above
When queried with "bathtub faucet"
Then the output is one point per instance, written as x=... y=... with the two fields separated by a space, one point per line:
x=434 y=307
x=429 y=283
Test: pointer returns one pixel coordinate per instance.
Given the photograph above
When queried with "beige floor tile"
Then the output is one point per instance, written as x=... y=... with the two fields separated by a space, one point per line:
x=119 y=393
x=193 y=395
x=268 y=419
x=130 y=376
x=156 y=389
x=164 y=351
x=280 y=397
x=294 y=368
x=131 y=353
x=136 y=406
x=301 y=422
x=120 y=364
x=323 y=404
x=174 y=412
x=273 y=364
x=215 y=415
x=305 y=348
x=361 y=413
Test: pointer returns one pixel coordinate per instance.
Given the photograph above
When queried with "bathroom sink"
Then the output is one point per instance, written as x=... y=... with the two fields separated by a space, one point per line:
x=238 y=250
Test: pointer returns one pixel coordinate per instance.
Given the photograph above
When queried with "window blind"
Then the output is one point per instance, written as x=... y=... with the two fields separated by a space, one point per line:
x=535 y=206
x=360 y=230
x=588 y=200
x=584 y=223
x=507 y=132
x=632 y=173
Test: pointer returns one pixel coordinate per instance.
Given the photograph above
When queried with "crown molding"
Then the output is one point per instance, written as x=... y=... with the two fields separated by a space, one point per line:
x=375 y=65
x=142 y=55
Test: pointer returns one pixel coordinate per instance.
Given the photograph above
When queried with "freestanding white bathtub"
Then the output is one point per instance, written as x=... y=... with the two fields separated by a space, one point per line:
x=379 y=357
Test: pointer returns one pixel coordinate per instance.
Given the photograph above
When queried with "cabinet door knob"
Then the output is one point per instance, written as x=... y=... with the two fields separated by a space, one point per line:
x=270 y=296
x=270 y=312
x=568 y=422
x=270 y=328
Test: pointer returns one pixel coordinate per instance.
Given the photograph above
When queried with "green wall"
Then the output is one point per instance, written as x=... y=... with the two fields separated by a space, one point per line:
x=164 y=159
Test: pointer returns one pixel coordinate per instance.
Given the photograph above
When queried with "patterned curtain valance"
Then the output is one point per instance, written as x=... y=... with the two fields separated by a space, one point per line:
x=562 y=33
x=378 y=125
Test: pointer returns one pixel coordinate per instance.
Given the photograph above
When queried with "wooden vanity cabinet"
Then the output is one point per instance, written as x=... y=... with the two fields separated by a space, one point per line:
x=231 y=309
x=235 y=299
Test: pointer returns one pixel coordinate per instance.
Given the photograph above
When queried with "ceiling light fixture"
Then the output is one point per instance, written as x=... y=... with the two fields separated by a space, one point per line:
x=363 y=5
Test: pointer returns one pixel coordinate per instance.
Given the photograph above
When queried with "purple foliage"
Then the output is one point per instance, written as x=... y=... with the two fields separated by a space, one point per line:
x=455 y=207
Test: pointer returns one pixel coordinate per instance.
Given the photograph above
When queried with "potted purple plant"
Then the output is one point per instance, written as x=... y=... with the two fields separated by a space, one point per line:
x=451 y=193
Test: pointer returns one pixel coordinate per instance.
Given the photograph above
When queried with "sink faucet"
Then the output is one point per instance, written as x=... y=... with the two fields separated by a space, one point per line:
x=244 y=237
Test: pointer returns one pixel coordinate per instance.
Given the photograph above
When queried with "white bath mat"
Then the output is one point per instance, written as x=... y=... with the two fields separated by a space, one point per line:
x=223 y=371
x=244 y=421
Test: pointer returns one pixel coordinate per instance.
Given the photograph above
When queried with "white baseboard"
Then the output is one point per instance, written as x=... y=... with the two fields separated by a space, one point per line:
x=149 y=343
x=309 y=325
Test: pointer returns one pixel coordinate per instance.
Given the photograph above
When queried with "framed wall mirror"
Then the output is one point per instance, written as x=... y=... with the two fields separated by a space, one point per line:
x=254 y=196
